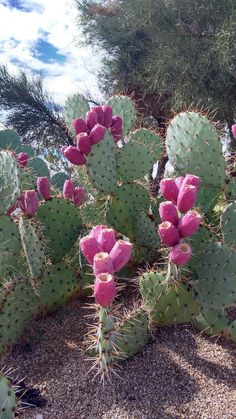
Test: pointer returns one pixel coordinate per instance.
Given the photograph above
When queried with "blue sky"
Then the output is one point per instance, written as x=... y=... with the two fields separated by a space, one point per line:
x=43 y=36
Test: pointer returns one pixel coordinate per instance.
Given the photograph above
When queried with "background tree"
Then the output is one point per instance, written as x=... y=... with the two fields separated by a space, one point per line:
x=31 y=111
x=168 y=53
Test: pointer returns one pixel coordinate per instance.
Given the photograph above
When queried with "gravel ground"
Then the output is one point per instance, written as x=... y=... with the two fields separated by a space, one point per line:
x=180 y=374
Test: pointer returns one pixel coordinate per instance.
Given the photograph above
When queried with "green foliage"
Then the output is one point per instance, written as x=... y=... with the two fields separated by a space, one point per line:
x=8 y=399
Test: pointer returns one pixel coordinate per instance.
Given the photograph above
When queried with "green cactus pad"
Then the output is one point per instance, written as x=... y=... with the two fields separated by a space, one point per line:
x=122 y=209
x=93 y=213
x=58 y=180
x=231 y=331
x=8 y=399
x=134 y=161
x=132 y=334
x=38 y=167
x=28 y=180
x=199 y=242
x=230 y=190
x=9 y=140
x=228 y=224
x=216 y=286
x=57 y=287
x=18 y=306
x=212 y=322
x=9 y=246
x=167 y=304
x=10 y=182
x=25 y=148
x=146 y=232
x=76 y=106
x=101 y=165
x=61 y=225
x=193 y=146
x=150 y=140
x=33 y=248
x=124 y=107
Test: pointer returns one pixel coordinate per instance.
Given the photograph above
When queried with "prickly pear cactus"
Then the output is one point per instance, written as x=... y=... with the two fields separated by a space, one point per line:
x=167 y=303
x=9 y=246
x=9 y=140
x=61 y=226
x=33 y=248
x=58 y=180
x=75 y=106
x=8 y=399
x=212 y=322
x=10 y=181
x=124 y=107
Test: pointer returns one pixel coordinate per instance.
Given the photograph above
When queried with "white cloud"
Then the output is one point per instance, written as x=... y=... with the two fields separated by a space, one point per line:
x=54 y=22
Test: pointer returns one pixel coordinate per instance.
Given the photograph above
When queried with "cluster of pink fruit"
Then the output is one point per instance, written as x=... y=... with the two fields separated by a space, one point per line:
x=107 y=256
x=91 y=131
x=179 y=220
x=28 y=200
x=233 y=129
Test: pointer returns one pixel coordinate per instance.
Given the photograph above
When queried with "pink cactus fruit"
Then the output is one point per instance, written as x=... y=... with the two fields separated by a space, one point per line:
x=74 y=155
x=102 y=263
x=79 y=126
x=107 y=239
x=97 y=134
x=180 y=254
x=12 y=209
x=30 y=202
x=186 y=198
x=96 y=230
x=189 y=224
x=168 y=233
x=116 y=127
x=62 y=149
x=179 y=181
x=107 y=113
x=21 y=202
x=22 y=159
x=168 y=212
x=44 y=187
x=84 y=143
x=120 y=254
x=79 y=196
x=191 y=180
x=233 y=130
x=91 y=119
x=169 y=189
x=100 y=114
x=104 y=289
x=68 y=189
x=90 y=247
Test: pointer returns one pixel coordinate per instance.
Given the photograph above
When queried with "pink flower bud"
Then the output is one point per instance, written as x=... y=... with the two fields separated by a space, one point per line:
x=107 y=112
x=91 y=119
x=79 y=126
x=99 y=112
x=186 y=198
x=68 y=189
x=191 y=180
x=104 y=289
x=84 y=143
x=233 y=129
x=44 y=187
x=120 y=254
x=168 y=212
x=168 y=234
x=102 y=263
x=107 y=239
x=79 y=196
x=30 y=202
x=96 y=231
x=97 y=134
x=74 y=156
x=22 y=159
x=169 y=189
x=189 y=224
x=90 y=247
x=179 y=181
x=180 y=254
